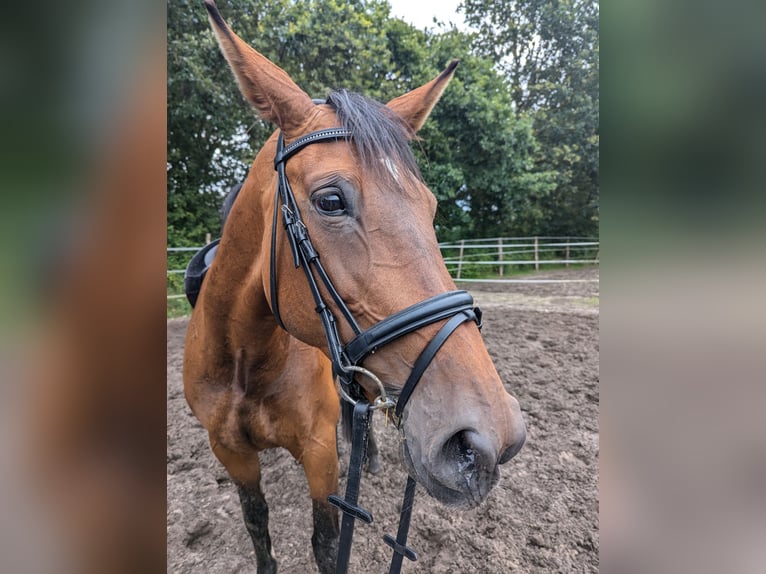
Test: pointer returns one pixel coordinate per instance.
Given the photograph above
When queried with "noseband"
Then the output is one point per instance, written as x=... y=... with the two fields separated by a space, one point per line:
x=457 y=306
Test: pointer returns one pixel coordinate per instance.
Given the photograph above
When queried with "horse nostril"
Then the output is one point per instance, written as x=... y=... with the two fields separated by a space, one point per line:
x=466 y=467
x=469 y=450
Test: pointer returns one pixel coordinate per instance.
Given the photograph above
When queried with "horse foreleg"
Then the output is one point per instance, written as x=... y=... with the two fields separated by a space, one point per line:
x=324 y=540
x=245 y=470
x=321 y=466
x=373 y=460
x=256 y=514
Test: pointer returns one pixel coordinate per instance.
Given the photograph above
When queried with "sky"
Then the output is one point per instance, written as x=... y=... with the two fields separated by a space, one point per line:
x=420 y=13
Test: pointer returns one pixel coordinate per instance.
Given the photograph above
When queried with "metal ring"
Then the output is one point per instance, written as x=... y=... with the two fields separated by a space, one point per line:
x=382 y=401
x=343 y=394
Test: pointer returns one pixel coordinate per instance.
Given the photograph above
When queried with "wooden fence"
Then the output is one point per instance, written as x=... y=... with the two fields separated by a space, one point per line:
x=488 y=259
x=476 y=258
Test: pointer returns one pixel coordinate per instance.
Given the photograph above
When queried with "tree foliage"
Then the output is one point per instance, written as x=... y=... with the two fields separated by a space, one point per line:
x=548 y=49
x=497 y=168
x=484 y=149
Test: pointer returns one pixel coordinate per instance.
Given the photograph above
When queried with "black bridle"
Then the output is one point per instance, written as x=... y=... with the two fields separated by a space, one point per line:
x=455 y=306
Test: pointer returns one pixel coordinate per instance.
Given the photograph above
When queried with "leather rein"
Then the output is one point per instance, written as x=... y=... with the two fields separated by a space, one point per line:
x=455 y=306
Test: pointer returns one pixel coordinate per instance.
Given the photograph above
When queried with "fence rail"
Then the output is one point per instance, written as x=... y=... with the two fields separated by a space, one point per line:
x=472 y=259
x=465 y=258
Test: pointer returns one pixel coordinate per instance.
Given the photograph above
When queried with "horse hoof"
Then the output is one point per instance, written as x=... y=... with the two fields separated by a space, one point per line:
x=373 y=466
x=269 y=567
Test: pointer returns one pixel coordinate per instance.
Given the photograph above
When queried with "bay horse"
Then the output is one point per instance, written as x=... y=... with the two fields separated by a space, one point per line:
x=259 y=363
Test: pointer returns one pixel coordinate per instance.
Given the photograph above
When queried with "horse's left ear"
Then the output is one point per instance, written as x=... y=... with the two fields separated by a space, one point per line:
x=415 y=106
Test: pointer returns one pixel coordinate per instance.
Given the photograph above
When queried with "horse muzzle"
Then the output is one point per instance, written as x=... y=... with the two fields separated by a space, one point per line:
x=461 y=469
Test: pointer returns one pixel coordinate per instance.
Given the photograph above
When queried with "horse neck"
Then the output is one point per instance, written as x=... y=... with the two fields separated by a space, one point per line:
x=236 y=307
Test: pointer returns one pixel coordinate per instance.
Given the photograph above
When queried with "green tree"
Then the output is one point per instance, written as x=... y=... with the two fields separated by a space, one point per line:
x=476 y=153
x=548 y=49
x=479 y=155
x=213 y=134
x=206 y=125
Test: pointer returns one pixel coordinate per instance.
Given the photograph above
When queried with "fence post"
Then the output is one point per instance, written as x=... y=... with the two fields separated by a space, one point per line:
x=567 y=254
x=500 y=254
x=208 y=239
x=537 y=259
x=460 y=258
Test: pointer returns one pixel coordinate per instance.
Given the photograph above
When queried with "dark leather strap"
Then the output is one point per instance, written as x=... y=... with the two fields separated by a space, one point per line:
x=410 y=319
x=427 y=356
x=399 y=545
x=286 y=152
x=348 y=504
x=296 y=230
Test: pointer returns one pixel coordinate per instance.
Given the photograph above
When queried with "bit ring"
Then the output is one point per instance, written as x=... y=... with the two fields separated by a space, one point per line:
x=382 y=401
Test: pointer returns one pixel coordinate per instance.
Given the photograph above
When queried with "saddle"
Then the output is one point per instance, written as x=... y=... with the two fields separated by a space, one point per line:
x=200 y=263
x=196 y=270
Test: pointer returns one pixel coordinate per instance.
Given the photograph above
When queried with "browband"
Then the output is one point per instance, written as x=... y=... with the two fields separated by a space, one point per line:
x=287 y=151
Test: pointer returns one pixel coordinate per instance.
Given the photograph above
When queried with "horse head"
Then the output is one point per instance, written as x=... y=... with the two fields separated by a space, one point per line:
x=369 y=216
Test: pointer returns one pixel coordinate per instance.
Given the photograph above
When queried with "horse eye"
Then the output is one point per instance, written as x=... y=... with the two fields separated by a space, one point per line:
x=330 y=204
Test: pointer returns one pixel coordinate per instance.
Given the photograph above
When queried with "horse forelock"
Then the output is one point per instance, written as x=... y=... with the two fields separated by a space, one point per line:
x=380 y=137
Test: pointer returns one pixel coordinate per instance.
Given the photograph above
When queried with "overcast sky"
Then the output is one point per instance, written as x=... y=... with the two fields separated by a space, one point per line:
x=421 y=12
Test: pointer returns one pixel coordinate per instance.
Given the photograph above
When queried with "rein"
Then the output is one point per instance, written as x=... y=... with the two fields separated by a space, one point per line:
x=455 y=306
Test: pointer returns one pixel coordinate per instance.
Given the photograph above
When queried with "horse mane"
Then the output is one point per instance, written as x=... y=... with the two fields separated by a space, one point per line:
x=378 y=133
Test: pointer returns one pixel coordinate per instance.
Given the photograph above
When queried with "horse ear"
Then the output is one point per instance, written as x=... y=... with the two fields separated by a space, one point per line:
x=415 y=106
x=265 y=85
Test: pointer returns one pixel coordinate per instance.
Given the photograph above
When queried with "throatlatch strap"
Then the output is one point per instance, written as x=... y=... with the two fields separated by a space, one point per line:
x=428 y=354
x=348 y=504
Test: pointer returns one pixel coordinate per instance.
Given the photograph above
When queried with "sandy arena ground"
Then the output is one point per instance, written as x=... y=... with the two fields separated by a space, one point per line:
x=542 y=516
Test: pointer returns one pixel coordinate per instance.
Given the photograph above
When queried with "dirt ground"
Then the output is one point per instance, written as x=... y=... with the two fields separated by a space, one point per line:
x=541 y=517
